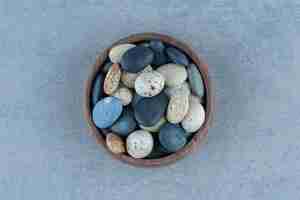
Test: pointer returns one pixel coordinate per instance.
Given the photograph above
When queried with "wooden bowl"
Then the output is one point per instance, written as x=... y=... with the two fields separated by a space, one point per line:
x=198 y=137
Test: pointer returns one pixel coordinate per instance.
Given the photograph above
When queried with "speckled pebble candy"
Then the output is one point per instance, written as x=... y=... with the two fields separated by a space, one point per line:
x=195 y=116
x=124 y=94
x=149 y=84
x=174 y=74
x=128 y=79
x=139 y=144
x=176 y=56
x=172 y=137
x=107 y=111
x=116 y=53
x=177 y=108
x=112 y=79
x=136 y=59
x=115 y=144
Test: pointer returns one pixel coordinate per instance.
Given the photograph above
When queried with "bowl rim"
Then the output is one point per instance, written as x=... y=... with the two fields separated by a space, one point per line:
x=198 y=137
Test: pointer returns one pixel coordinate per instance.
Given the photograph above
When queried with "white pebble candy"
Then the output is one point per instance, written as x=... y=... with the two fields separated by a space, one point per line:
x=195 y=116
x=128 y=78
x=116 y=53
x=174 y=74
x=184 y=88
x=124 y=94
x=139 y=144
x=149 y=84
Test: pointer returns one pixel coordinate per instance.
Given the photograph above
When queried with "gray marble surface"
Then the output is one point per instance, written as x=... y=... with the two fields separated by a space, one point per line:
x=253 y=149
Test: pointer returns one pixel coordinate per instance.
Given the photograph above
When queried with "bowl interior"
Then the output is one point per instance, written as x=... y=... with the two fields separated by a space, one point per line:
x=197 y=138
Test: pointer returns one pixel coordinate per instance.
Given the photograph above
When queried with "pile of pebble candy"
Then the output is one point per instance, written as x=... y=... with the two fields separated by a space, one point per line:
x=148 y=97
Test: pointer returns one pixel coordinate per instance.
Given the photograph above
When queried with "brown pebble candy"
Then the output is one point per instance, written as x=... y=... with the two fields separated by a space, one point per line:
x=112 y=79
x=115 y=143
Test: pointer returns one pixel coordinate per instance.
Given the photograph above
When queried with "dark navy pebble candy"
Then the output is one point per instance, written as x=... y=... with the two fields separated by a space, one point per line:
x=157 y=45
x=107 y=111
x=177 y=56
x=136 y=59
x=172 y=137
x=145 y=44
x=97 y=91
x=160 y=57
x=148 y=111
x=136 y=99
x=125 y=124
x=158 y=151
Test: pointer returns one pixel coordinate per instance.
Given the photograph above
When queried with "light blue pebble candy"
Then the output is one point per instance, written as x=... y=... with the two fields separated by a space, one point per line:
x=195 y=80
x=107 y=111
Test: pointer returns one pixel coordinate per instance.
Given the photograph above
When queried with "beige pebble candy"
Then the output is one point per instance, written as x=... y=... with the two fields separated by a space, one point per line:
x=128 y=78
x=115 y=143
x=195 y=116
x=124 y=94
x=116 y=53
x=156 y=127
x=112 y=79
x=174 y=74
x=177 y=108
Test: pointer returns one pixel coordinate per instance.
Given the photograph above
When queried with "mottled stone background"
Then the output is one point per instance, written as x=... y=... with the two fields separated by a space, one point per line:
x=253 y=149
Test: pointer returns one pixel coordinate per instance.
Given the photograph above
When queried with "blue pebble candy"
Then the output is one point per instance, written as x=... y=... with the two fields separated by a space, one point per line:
x=107 y=111
x=125 y=124
x=97 y=91
x=172 y=137
x=176 y=56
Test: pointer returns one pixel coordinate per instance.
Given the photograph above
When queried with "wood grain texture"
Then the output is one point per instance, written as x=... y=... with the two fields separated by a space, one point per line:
x=197 y=139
